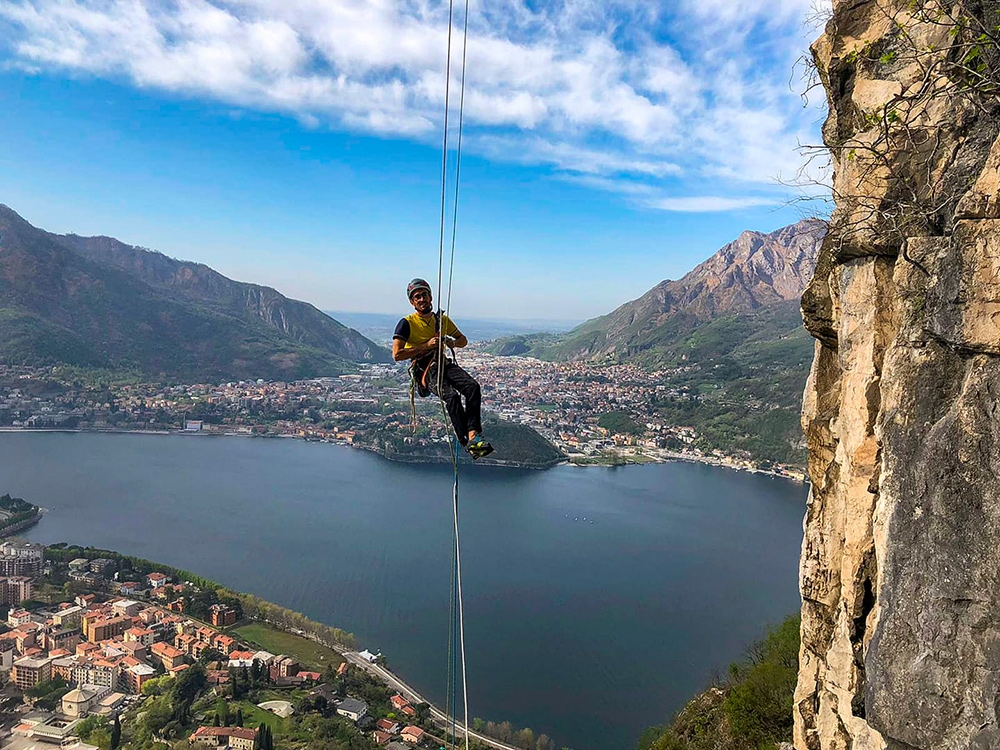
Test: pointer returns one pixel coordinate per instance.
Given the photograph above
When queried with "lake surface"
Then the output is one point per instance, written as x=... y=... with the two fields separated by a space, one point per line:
x=587 y=630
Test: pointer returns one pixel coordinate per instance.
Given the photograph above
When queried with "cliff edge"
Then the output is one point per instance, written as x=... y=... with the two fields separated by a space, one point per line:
x=900 y=568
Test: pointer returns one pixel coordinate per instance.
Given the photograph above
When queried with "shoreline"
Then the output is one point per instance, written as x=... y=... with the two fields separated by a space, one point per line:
x=266 y=612
x=422 y=459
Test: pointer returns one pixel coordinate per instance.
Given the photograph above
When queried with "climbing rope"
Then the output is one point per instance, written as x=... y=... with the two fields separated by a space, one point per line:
x=456 y=636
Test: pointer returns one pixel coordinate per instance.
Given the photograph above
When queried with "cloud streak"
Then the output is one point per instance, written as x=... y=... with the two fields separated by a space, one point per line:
x=618 y=90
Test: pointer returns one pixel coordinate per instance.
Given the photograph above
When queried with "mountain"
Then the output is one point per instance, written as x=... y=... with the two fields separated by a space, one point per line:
x=758 y=277
x=97 y=302
x=727 y=338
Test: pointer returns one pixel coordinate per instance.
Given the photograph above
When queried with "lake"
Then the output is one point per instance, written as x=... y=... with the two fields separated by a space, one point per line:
x=597 y=600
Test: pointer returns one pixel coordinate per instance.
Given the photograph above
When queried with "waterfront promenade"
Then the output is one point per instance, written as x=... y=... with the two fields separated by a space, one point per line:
x=413 y=696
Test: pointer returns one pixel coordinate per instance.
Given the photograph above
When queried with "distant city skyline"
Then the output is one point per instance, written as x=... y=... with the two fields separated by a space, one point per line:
x=607 y=146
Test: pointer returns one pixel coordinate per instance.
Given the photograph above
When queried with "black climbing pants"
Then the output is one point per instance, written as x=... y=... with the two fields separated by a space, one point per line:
x=456 y=384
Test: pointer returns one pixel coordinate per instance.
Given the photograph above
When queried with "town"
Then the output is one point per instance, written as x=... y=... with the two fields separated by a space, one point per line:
x=98 y=655
x=591 y=414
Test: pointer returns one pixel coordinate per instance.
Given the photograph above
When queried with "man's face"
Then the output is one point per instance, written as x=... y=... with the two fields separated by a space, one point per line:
x=422 y=301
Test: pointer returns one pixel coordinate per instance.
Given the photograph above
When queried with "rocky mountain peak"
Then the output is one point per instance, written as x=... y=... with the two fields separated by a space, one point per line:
x=753 y=270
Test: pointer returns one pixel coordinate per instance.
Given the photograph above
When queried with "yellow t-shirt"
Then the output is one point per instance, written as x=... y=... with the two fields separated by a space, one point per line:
x=416 y=329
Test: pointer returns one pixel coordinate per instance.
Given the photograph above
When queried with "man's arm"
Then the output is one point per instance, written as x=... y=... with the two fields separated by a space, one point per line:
x=400 y=354
x=454 y=336
x=457 y=339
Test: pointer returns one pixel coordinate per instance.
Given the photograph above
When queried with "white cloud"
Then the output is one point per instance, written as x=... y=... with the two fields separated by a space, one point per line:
x=708 y=203
x=617 y=89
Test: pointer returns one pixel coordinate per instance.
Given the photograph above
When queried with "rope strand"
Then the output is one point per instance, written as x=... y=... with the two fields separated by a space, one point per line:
x=457 y=604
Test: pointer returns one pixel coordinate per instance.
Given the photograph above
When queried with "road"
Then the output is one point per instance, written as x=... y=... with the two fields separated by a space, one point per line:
x=413 y=696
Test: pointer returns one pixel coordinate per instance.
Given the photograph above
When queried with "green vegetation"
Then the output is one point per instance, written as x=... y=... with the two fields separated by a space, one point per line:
x=620 y=423
x=19 y=511
x=519 y=444
x=505 y=732
x=95 y=730
x=751 y=710
x=515 y=443
x=202 y=593
x=46 y=695
x=123 y=315
x=279 y=642
x=167 y=713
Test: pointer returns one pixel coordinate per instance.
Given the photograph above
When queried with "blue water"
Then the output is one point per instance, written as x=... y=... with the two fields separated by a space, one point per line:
x=587 y=630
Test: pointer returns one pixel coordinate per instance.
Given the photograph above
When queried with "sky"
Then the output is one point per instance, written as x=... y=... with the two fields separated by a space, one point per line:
x=606 y=145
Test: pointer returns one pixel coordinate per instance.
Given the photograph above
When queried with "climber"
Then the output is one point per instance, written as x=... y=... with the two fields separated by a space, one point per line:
x=416 y=339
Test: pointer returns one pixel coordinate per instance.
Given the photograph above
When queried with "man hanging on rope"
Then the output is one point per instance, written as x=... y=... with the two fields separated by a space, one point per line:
x=416 y=339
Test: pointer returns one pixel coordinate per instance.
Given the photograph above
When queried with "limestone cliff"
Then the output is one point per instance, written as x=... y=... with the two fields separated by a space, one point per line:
x=900 y=570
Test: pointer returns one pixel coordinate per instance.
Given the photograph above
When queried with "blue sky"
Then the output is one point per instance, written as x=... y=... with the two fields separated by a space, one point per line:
x=297 y=143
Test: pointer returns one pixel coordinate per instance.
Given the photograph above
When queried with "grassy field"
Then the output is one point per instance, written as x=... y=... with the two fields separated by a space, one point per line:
x=276 y=641
x=254 y=716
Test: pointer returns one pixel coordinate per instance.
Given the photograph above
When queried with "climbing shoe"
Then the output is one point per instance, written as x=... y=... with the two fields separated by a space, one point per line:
x=478 y=448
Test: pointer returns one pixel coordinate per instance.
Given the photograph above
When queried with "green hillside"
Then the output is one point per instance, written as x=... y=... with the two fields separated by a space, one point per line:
x=58 y=307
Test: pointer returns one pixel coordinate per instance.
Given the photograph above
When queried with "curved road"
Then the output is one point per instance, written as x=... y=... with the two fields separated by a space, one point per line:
x=413 y=696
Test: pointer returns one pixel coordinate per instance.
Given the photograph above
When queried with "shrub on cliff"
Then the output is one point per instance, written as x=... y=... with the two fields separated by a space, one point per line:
x=751 y=710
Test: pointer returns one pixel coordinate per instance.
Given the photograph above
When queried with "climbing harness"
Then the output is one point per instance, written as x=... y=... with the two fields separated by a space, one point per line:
x=418 y=375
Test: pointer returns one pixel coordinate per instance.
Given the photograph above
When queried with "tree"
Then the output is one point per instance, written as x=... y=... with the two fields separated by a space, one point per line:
x=116 y=733
x=239 y=717
x=525 y=738
x=544 y=743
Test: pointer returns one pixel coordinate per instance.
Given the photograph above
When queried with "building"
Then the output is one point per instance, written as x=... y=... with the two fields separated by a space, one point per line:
x=20 y=558
x=69 y=617
x=67 y=638
x=18 y=617
x=48 y=729
x=140 y=635
x=126 y=608
x=15 y=589
x=28 y=672
x=128 y=588
x=156 y=580
x=63 y=666
x=284 y=666
x=223 y=643
x=412 y=734
x=109 y=705
x=137 y=675
x=6 y=657
x=85 y=600
x=97 y=672
x=222 y=616
x=102 y=566
x=167 y=655
x=78 y=703
x=102 y=628
x=238 y=738
x=352 y=708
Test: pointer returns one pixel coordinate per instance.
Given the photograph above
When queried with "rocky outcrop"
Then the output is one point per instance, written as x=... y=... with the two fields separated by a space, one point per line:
x=900 y=570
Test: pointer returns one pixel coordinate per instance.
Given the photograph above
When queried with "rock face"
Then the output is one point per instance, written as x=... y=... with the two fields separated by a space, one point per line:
x=900 y=570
